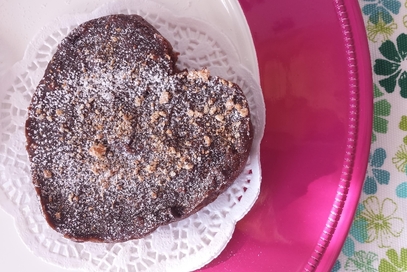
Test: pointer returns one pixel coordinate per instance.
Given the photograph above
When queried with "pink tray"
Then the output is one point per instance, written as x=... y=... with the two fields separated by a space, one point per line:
x=316 y=77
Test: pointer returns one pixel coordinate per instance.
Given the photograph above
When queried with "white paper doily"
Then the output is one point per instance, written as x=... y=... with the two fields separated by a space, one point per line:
x=182 y=246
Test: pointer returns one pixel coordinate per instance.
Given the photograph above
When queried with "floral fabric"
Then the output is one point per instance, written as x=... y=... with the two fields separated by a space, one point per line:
x=377 y=241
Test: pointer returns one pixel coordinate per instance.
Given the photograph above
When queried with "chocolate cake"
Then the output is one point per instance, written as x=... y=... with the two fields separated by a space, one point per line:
x=121 y=142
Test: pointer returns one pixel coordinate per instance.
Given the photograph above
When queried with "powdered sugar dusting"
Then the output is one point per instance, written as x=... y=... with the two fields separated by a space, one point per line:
x=119 y=143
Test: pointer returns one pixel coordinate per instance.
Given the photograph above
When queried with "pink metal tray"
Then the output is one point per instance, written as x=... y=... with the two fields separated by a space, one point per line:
x=316 y=78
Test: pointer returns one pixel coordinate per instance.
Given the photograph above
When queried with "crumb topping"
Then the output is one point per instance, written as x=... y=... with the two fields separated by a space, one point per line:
x=120 y=142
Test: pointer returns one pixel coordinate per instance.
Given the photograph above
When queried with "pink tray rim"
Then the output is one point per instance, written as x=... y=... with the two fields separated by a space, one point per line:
x=358 y=137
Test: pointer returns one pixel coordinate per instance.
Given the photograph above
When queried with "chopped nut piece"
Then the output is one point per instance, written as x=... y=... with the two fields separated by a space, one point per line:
x=219 y=117
x=138 y=101
x=47 y=174
x=155 y=116
x=188 y=166
x=151 y=167
x=99 y=136
x=94 y=169
x=244 y=112
x=104 y=183
x=204 y=74
x=153 y=56
x=59 y=112
x=140 y=178
x=108 y=173
x=198 y=114
x=58 y=215
x=127 y=117
x=190 y=113
x=72 y=198
x=165 y=97
x=97 y=150
x=201 y=74
x=207 y=140
x=229 y=104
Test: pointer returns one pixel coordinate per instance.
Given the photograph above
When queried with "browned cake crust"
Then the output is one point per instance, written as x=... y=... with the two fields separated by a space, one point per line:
x=120 y=142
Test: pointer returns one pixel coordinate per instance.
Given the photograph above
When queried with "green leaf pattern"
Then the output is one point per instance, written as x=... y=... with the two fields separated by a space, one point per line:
x=362 y=261
x=394 y=262
x=381 y=110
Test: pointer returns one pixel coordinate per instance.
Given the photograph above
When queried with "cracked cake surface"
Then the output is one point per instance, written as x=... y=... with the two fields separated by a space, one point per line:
x=121 y=142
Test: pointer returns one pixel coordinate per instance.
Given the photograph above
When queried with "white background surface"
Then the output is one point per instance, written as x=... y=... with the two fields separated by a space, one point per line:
x=20 y=20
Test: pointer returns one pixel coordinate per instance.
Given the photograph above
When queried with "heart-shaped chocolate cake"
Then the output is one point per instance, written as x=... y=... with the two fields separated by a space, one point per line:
x=121 y=142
